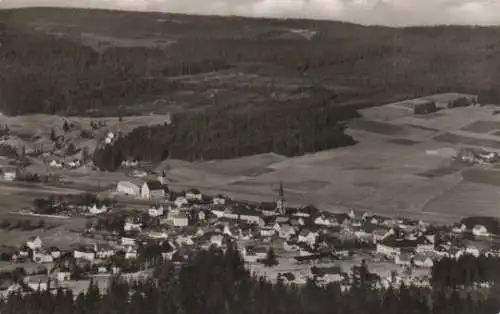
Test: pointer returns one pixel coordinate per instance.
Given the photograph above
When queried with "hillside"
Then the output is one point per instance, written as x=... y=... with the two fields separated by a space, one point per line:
x=213 y=70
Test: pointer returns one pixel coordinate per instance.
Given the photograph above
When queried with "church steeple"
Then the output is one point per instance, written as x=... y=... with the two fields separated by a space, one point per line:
x=281 y=203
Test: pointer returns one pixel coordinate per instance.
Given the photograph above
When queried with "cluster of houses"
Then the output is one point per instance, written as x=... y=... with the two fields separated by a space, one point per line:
x=303 y=235
x=474 y=156
x=71 y=164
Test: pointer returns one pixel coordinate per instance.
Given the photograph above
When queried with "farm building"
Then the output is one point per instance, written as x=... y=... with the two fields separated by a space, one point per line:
x=453 y=100
x=128 y=188
x=419 y=106
x=153 y=190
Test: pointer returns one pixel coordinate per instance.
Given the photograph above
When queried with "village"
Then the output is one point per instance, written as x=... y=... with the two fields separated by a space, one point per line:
x=276 y=241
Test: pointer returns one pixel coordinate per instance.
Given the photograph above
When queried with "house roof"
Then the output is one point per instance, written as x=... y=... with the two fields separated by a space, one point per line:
x=244 y=210
x=268 y=206
x=154 y=185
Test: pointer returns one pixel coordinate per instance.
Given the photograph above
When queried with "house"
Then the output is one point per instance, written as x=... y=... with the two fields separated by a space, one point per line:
x=127 y=241
x=324 y=221
x=131 y=226
x=152 y=190
x=128 y=188
x=131 y=253
x=403 y=259
x=423 y=261
x=290 y=246
x=286 y=231
x=480 y=231
x=84 y=254
x=56 y=164
x=267 y=232
x=9 y=175
x=387 y=250
x=129 y=163
x=201 y=215
x=155 y=211
x=157 y=235
x=253 y=254
x=308 y=237
x=193 y=195
x=325 y=275
x=180 y=220
x=104 y=252
x=219 y=200
x=181 y=201
x=472 y=251
x=459 y=229
x=184 y=240
x=42 y=257
x=55 y=252
x=34 y=243
x=94 y=210
x=63 y=275
x=217 y=240
x=247 y=214
x=380 y=234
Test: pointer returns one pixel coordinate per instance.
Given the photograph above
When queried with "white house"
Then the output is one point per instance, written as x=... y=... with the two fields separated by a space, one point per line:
x=155 y=211
x=128 y=188
x=461 y=229
x=104 y=253
x=56 y=164
x=290 y=246
x=219 y=200
x=180 y=220
x=473 y=251
x=83 y=254
x=63 y=275
x=480 y=231
x=388 y=250
x=308 y=237
x=158 y=235
x=193 y=195
x=267 y=232
x=9 y=175
x=286 y=231
x=42 y=257
x=423 y=261
x=216 y=240
x=34 y=243
x=130 y=226
x=184 y=240
x=181 y=201
x=131 y=253
x=127 y=241
x=94 y=210
x=323 y=221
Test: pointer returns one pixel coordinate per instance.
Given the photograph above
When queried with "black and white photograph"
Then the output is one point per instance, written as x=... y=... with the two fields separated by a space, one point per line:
x=250 y=157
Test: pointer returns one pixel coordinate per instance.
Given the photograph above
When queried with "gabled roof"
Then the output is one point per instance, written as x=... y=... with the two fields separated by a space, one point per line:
x=154 y=185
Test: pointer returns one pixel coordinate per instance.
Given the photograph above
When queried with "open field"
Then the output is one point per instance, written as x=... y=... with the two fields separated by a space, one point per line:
x=402 y=173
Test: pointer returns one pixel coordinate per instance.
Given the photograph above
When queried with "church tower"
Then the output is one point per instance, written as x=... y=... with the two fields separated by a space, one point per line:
x=281 y=202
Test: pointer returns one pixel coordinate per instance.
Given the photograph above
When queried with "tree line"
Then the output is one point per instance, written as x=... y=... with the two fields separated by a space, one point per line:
x=217 y=135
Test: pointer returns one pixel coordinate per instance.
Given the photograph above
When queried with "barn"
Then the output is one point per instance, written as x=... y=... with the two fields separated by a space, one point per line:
x=453 y=100
x=128 y=188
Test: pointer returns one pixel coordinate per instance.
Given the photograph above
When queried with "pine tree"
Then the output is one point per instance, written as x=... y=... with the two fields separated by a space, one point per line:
x=271 y=259
x=52 y=135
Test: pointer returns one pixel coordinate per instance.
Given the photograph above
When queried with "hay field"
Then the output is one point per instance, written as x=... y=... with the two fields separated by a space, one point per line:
x=401 y=166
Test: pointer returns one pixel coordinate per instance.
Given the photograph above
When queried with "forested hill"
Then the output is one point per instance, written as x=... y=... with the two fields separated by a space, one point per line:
x=81 y=61
x=240 y=85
